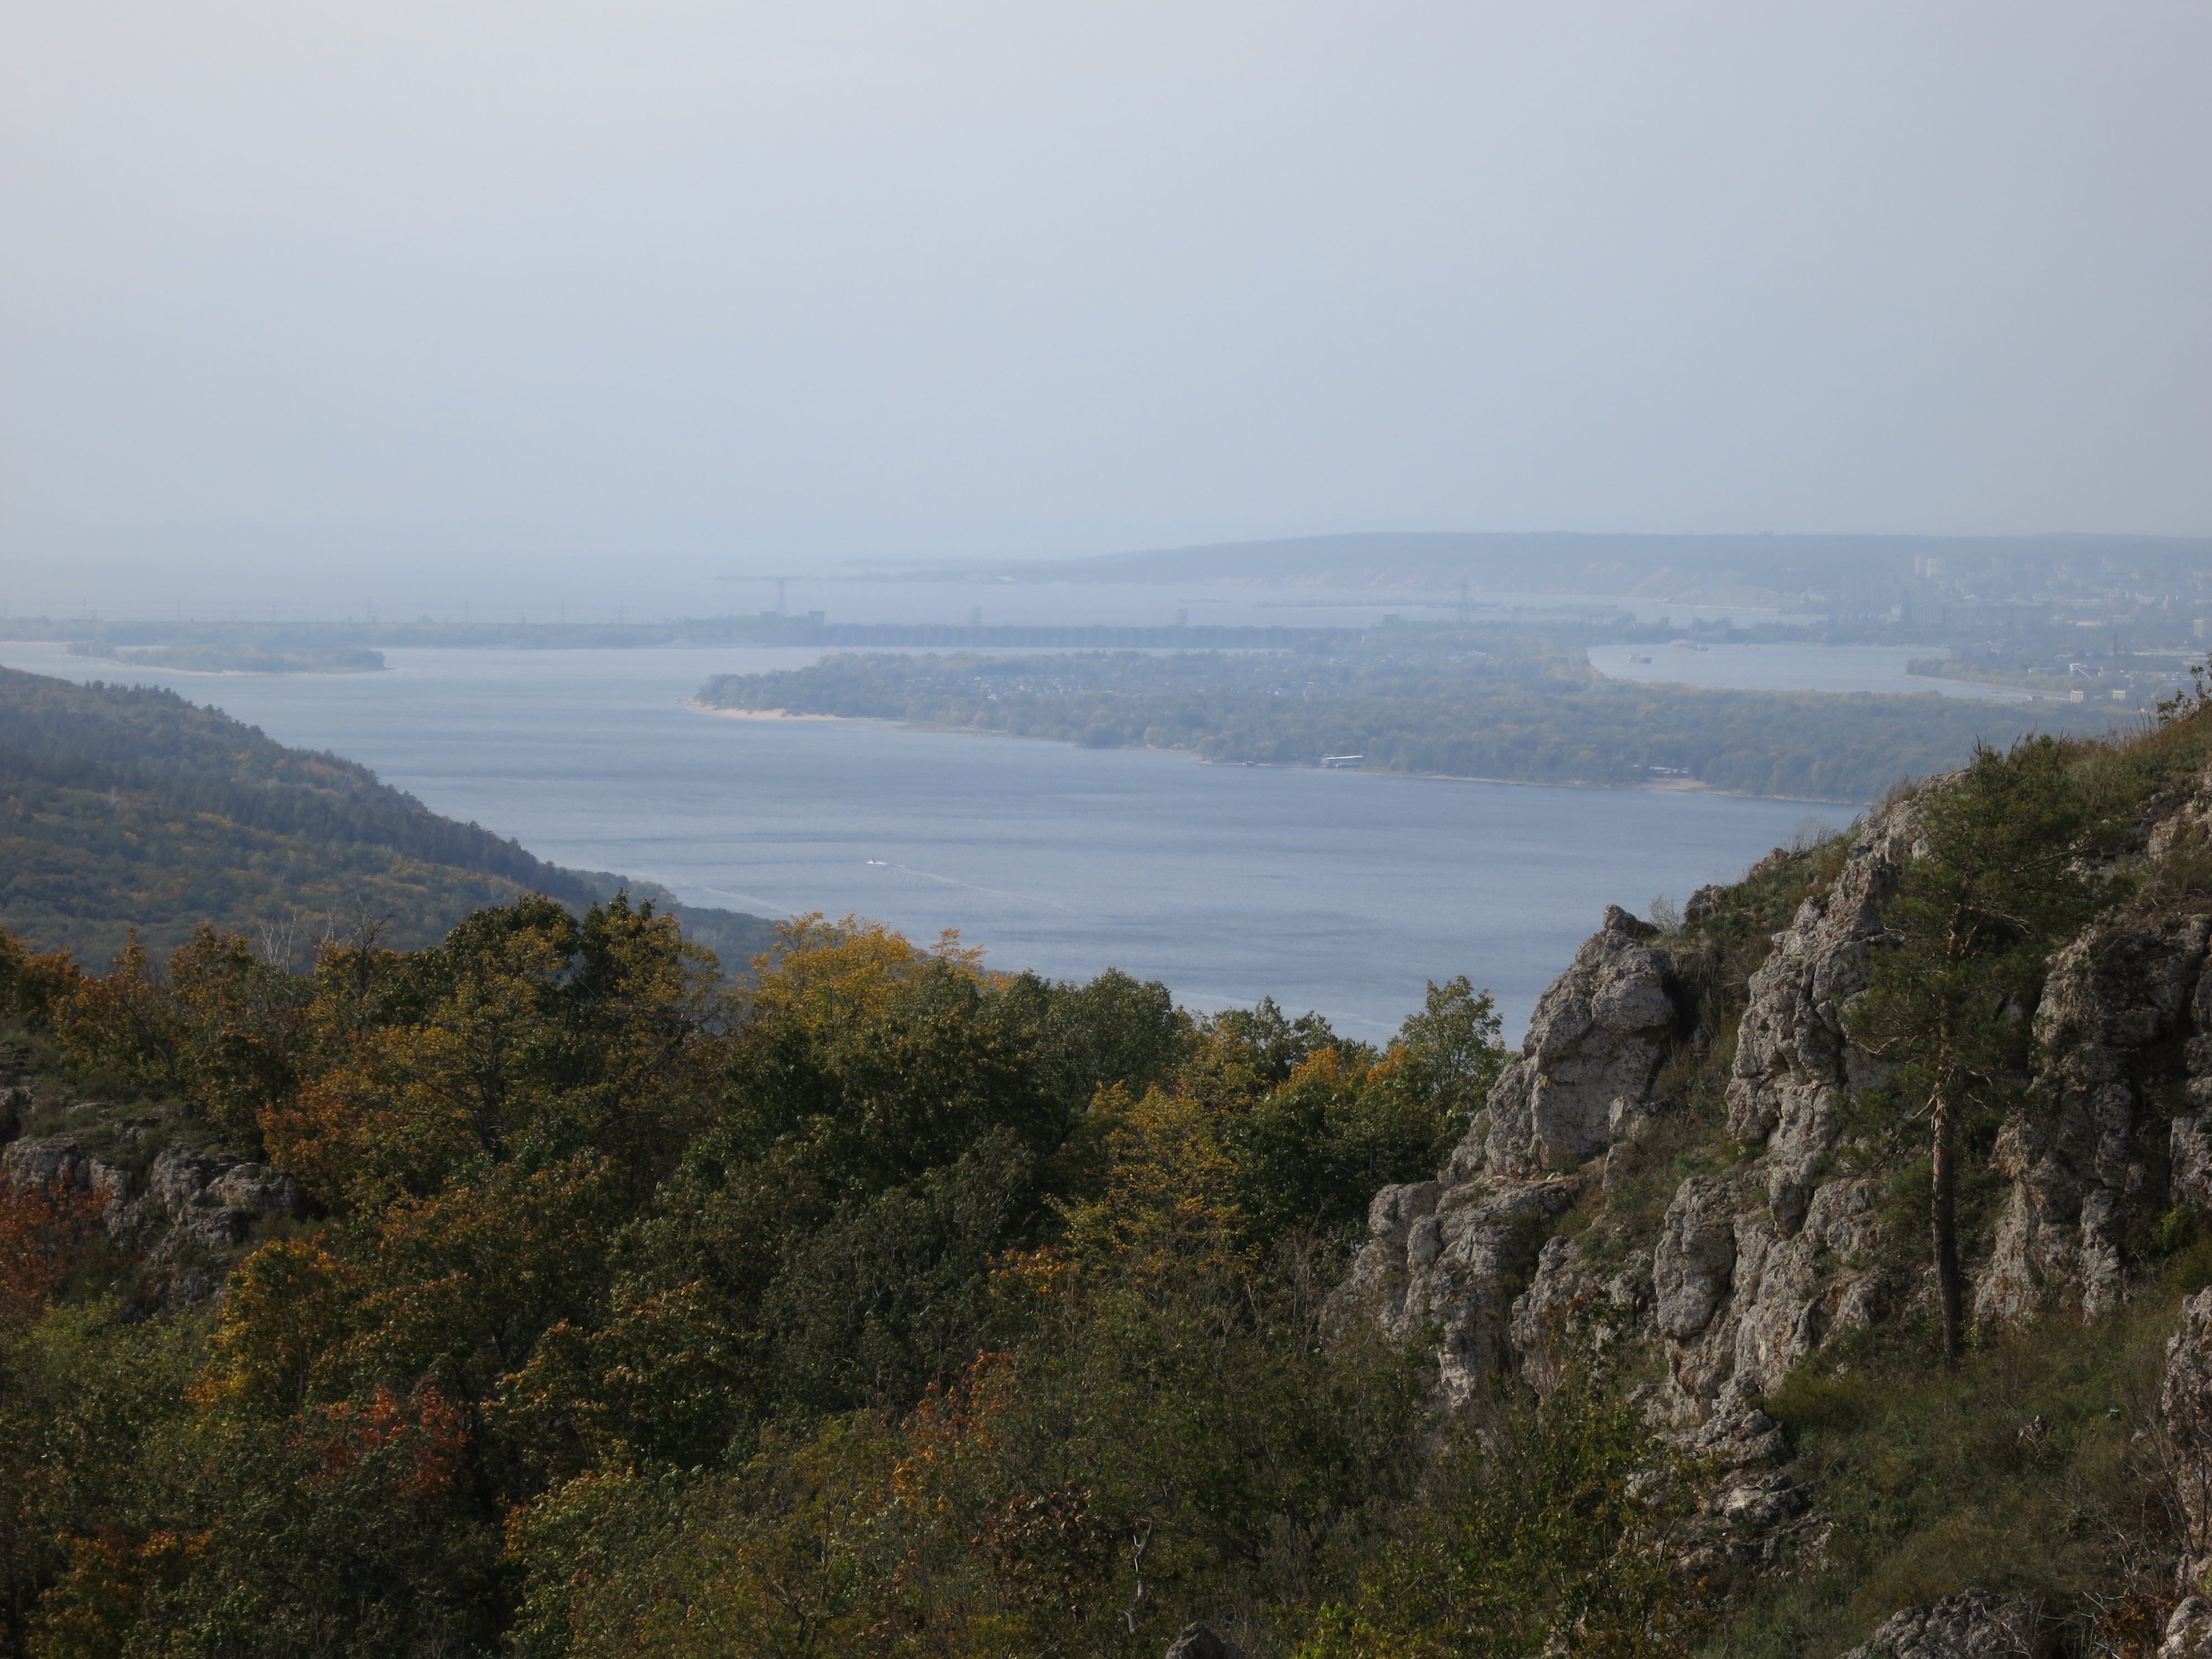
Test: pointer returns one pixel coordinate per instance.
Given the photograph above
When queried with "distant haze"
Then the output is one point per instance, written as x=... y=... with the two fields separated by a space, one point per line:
x=302 y=302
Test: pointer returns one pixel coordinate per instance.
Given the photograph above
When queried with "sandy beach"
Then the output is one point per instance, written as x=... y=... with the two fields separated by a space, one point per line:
x=696 y=706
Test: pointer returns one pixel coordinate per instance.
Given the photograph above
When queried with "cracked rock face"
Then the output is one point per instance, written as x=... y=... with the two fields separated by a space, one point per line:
x=1455 y=1254
x=1694 y=1265
x=2087 y=1151
x=59 y=1162
x=1453 y=1259
x=216 y=1197
x=195 y=1209
x=1751 y=1271
x=1972 y=1625
x=1754 y=1513
x=2189 y=1631
x=1760 y=1263
x=2185 y=1402
x=1794 y=1065
x=1595 y=1039
x=1743 y=1327
x=1563 y=1297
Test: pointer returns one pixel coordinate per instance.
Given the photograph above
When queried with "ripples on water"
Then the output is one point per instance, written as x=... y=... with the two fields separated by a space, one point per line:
x=1334 y=891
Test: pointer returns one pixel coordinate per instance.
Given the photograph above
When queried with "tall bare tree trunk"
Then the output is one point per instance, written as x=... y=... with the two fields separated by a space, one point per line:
x=1943 y=1217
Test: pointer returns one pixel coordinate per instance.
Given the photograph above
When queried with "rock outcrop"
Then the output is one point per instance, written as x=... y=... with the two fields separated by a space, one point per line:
x=1451 y=1261
x=1763 y=1256
x=2186 y=1405
x=184 y=1219
x=1751 y=1269
x=2189 y=1631
x=58 y=1161
x=1756 y=1265
x=1197 y=1642
x=1972 y=1625
x=1794 y=1066
x=1753 y=1514
x=1455 y=1255
x=2117 y=1007
x=1584 y=1073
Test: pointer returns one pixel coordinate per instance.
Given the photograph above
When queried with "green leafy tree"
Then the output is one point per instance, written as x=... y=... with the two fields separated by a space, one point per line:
x=88 y=1400
x=1553 y=1534
x=1114 y=1030
x=1449 y=1053
x=32 y=984
x=1344 y=1122
x=892 y=1295
x=349 y=1529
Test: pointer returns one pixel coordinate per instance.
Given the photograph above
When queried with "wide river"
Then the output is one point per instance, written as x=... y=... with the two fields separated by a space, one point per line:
x=1339 y=892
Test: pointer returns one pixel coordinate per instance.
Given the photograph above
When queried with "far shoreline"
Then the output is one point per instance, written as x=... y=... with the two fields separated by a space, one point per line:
x=232 y=673
x=698 y=708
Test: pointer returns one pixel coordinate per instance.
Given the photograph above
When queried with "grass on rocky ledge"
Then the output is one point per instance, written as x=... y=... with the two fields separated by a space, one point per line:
x=2038 y=1468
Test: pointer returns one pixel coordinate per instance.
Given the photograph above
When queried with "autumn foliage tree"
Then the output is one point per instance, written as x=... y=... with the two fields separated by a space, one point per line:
x=880 y=1300
x=46 y=1230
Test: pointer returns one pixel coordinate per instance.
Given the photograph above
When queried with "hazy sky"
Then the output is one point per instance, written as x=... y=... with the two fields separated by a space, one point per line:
x=689 y=282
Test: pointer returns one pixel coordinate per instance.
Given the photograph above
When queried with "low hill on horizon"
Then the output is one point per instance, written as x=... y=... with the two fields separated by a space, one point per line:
x=1727 y=568
x=127 y=807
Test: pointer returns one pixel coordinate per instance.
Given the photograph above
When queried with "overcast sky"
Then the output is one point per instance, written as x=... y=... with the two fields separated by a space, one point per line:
x=686 y=281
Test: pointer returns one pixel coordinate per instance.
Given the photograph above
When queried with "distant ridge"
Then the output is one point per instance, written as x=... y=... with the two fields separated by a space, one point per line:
x=1596 y=563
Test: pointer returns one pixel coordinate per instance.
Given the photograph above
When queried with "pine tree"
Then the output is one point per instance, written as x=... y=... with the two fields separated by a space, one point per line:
x=1956 y=975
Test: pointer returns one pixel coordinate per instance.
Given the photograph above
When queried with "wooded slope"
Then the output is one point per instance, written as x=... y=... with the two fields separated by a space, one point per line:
x=1539 y=717
x=127 y=806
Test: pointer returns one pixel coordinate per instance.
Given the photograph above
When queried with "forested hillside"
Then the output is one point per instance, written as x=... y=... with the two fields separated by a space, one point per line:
x=128 y=807
x=1526 y=712
x=1827 y=1272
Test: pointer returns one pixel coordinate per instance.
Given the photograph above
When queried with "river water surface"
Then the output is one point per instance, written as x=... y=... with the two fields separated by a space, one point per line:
x=1339 y=892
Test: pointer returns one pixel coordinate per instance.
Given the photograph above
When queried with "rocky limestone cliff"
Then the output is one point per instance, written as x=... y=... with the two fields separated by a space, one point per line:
x=2126 y=1021
x=1760 y=1260
x=1774 y=1241
x=178 y=1218
x=1744 y=1277
x=1584 y=1075
x=1453 y=1254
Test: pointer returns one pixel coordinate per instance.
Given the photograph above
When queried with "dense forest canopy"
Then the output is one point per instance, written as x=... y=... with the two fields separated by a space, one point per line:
x=1516 y=708
x=128 y=807
x=899 y=1298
